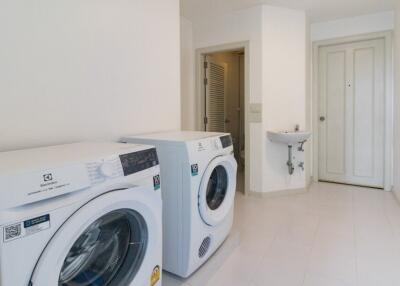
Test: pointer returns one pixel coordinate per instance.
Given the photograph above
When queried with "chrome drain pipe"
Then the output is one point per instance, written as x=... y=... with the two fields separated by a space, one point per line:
x=290 y=161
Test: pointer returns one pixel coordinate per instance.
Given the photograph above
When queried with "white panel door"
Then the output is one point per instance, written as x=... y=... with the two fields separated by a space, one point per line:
x=352 y=117
x=215 y=87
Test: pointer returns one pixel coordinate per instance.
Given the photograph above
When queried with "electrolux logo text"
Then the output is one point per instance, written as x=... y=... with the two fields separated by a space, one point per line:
x=48 y=177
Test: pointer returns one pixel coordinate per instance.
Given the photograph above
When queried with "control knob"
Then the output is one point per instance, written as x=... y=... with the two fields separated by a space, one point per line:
x=218 y=144
x=107 y=169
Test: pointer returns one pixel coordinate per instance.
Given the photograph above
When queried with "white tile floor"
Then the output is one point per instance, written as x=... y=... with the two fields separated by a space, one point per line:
x=334 y=235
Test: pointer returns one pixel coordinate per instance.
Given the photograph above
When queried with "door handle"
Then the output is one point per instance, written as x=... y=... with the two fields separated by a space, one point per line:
x=322 y=118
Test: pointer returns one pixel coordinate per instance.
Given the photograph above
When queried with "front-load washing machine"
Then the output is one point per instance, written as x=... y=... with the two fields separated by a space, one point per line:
x=198 y=170
x=84 y=214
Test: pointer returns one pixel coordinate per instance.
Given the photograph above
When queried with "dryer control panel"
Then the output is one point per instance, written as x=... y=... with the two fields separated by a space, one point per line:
x=226 y=141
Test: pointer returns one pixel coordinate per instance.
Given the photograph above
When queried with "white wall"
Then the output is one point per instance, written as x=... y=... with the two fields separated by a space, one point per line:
x=277 y=40
x=397 y=106
x=352 y=26
x=81 y=69
x=244 y=25
x=188 y=103
x=284 y=92
x=309 y=105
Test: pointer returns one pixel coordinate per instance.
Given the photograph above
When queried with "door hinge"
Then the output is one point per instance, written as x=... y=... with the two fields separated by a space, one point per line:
x=205 y=81
x=206 y=65
x=205 y=120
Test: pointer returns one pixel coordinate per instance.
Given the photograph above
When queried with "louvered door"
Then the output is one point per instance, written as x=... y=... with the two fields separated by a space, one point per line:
x=215 y=87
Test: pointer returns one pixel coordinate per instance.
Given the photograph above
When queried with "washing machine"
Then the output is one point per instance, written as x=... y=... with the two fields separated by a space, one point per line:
x=198 y=170
x=81 y=214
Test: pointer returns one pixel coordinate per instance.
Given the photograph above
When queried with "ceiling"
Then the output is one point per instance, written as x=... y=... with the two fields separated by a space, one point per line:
x=318 y=10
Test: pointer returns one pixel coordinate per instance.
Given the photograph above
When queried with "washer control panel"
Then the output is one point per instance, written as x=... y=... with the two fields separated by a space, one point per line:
x=139 y=161
x=111 y=169
x=102 y=170
x=122 y=165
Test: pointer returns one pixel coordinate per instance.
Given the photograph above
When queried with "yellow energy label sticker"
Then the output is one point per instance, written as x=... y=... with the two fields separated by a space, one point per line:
x=155 y=276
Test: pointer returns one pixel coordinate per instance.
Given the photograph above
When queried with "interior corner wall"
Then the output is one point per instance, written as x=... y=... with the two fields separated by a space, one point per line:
x=82 y=70
x=284 y=92
x=397 y=106
x=309 y=106
x=345 y=27
x=188 y=99
x=240 y=26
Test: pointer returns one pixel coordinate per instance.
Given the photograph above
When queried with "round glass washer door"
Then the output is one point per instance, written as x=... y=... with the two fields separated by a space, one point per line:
x=106 y=242
x=217 y=189
x=102 y=253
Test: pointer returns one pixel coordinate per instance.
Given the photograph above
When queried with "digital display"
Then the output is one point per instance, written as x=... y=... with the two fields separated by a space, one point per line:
x=139 y=161
x=226 y=141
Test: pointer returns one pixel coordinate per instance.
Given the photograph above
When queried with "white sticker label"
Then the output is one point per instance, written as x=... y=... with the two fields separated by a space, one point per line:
x=26 y=228
x=12 y=232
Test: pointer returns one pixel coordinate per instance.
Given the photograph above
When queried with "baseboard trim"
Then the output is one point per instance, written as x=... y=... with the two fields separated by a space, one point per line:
x=281 y=193
x=396 y=195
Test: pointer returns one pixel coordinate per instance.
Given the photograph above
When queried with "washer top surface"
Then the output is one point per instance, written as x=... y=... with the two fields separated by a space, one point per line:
x=177 y=136
x=17 y=161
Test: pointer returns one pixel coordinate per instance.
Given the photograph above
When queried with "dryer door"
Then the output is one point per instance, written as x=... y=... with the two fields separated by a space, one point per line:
x=217 y=189
x=107 y=242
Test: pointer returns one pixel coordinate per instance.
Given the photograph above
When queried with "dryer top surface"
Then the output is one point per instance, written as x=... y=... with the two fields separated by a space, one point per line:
x=176 y=136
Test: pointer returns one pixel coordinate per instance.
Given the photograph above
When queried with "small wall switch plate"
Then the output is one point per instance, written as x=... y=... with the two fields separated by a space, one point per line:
x=255 y=108
x=255 y=113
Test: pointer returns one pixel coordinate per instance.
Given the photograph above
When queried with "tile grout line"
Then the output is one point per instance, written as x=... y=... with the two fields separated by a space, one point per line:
x=253 y=283
x=355 y=235
x=311 y=250
x=264 y=256
x=392 y=227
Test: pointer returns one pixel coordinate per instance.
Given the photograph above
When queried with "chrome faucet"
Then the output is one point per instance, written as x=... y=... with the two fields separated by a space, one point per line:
x=301 y=147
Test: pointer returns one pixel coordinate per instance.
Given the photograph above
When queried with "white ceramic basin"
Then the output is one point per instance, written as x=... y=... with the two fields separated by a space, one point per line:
x=288 y=137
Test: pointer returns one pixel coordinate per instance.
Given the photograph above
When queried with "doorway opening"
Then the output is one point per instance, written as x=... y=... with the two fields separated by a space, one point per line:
x=223 y=101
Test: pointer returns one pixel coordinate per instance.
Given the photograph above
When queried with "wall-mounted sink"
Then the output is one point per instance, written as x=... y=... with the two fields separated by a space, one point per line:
x=288 y=137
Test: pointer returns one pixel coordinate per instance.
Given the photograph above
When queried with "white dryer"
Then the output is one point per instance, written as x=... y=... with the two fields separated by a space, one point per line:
x=81 y=214
x=198 y=170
